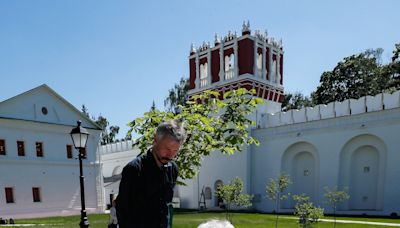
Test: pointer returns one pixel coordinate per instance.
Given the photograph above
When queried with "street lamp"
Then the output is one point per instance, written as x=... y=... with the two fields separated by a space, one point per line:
x=79 y=137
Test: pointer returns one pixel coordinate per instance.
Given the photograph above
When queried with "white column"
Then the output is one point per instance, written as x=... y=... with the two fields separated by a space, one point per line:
x=278 y=66
x=209 y=66
x=270 y=64
x=197 y=72
x=255 y=57
x=235 y=53
x=264 y=57
x=221 y=62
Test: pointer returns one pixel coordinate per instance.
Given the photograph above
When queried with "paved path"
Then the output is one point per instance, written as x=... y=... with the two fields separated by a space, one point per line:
x=363 y=222
x=356 y=222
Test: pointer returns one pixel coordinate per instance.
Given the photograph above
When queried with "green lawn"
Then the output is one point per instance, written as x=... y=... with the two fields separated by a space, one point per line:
x=193 y=219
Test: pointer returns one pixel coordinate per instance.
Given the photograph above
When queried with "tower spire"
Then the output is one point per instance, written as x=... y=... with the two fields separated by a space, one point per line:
x=192 y=49
x=246 y=28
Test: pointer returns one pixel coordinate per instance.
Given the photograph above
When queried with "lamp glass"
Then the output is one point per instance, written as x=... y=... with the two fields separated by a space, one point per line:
x=79 y=140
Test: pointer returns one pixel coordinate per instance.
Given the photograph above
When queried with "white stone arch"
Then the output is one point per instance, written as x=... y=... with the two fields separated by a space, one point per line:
x=203 y=74
x=117 y=171
x=229 y=66
x=362 y=168
x=218 y=201
x=301 y=161
x=207 y=193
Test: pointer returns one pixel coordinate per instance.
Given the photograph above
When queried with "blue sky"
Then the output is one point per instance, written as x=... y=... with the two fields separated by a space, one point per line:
x=116 y=57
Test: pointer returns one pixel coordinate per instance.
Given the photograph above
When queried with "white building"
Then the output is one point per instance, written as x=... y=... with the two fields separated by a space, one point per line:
x=38 y=165
x=114 y=157
x=327 y=145
x=354 y=143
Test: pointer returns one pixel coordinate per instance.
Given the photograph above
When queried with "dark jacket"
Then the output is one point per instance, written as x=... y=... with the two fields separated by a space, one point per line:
x=145 y=192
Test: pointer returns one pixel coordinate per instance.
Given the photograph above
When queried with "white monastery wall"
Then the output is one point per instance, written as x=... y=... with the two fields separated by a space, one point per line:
x=331 y=152
x=334 y=109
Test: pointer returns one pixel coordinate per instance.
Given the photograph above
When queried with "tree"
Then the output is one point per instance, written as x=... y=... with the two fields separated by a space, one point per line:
x=396 y=53
x=306 y=211
x=232 y=195
x=275 y=191
x=85 y=111
x=211 y=125
x=295 y=101
x=177 y=96
x=113 y=133
x=354 y=77
x=103 y=123
x=334 y=197
x=108 y=133
x=391 y=71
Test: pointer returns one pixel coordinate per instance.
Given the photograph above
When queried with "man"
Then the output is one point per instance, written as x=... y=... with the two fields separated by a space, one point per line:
x=147 y=182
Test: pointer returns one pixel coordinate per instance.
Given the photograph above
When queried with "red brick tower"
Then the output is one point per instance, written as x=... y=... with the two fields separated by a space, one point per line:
x=249 y=61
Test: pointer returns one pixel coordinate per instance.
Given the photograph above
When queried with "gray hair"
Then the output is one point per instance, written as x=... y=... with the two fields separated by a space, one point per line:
x=173 y=129
x=216 y=224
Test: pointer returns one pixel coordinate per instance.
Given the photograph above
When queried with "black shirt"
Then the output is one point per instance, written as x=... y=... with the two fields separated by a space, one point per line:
x=145 y=192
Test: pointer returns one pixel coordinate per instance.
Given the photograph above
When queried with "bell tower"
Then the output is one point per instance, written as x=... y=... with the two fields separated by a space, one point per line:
x=247 y=61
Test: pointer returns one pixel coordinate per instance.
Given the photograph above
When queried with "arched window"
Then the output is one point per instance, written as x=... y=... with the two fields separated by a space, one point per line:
x=218 y=201
x=207 y=193
x=259 y=65
x=117 y=171
x=274 y=75
x=229 y=66
x=203 y=74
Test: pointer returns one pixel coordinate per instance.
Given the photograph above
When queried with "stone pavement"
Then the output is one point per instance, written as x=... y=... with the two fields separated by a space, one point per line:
x=356 y=222
x=362 y=222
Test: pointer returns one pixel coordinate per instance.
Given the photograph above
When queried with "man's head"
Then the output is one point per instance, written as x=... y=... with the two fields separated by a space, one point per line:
x=168 y=139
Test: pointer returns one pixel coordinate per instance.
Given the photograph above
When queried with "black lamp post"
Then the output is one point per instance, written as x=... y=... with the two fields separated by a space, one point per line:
x=79 y=137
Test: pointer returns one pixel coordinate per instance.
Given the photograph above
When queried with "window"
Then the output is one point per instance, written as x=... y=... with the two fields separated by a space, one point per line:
x=21 y=148
x=36 y=194
x=274 y=71
x=9 y=195
x=366 y=169
x=259 y=64
x=207 y=193
x=229 y=65
x=39 y=149
x=2 y=147
x=203 y=74
x=83 y=151
x=306 y=172
x=44 y=110
x=69 y=151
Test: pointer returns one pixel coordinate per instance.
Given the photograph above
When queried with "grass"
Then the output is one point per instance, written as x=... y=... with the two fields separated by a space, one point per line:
x=193 y=219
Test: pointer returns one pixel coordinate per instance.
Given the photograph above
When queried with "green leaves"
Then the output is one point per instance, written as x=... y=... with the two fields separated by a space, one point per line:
x=211 y=125
x=335 y=196
x=177 y=96
x=295 y=101
x=232 y=194
x=276 y=187
x=306 y=210
x=359 y=75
